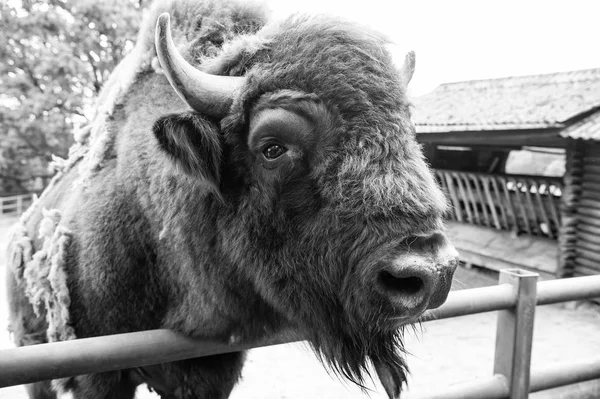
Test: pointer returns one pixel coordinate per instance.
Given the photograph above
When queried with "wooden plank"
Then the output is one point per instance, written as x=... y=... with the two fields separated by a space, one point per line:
x=590 y=194
x=591 y=166
x=480 y=198
x=15 y=204
x=589 y=228
x=583 y=242
x=442 y=184
x=542 y=211
x=512 y=214
x=515 y=138
x=590 y=221
x=498 y=197
x=14 y=197
x=553 y=205
x=591 y=177
x=590 y=186
x=584 y=270
x=441 y=180
x=490 y=201
x=586 y=202
x=463 y=195
x=469 y=190
x=453 y=196
x=532 y=219
x=524 y=221
x=587 y=212
x=587 y=254
x=586 y=263
x=587 y=237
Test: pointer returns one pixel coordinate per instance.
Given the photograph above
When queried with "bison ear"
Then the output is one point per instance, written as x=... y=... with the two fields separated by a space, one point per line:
x=193 y=143
x=408 y=68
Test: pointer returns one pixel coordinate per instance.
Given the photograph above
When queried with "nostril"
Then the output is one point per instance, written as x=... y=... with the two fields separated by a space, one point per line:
x=408 y=286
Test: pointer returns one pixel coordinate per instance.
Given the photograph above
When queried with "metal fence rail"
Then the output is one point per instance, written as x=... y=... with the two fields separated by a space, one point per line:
x=515 y=297
x=497 y=386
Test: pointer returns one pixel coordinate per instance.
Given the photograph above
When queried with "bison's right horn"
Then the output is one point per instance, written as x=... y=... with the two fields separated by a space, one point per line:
x=208 y=94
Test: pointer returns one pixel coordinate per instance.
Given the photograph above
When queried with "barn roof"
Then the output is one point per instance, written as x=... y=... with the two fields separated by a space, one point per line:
x=512 y=103
x=587 y=128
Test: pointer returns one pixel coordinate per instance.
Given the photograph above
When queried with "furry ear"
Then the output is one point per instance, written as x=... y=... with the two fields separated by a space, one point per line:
x=408 y=67
x=193 y=143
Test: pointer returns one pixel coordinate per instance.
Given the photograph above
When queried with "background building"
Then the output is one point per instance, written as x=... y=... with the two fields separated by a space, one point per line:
x=519 y=159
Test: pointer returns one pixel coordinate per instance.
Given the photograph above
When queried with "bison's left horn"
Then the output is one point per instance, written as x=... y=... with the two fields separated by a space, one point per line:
x=208 y=94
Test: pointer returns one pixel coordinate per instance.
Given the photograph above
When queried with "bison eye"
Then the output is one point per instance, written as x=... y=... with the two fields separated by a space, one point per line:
x=274 y=151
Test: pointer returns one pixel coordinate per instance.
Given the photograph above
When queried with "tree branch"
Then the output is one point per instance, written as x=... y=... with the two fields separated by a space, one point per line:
x=97 y=83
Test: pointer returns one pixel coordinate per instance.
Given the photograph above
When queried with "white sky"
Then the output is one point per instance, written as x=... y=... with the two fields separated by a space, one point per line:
x=465 y=40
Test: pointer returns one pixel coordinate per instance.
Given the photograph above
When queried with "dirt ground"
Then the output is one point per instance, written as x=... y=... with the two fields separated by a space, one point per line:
x=443 y=353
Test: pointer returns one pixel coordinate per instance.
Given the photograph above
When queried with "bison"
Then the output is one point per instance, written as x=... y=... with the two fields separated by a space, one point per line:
x=285 y=192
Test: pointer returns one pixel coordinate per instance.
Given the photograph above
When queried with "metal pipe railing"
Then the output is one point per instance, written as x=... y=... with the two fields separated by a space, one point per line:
x=99 y=354
x=565 y=374
x=494 y=387
x=32 y=363
x=497 y=386
x=568 y=289
x=472 y=301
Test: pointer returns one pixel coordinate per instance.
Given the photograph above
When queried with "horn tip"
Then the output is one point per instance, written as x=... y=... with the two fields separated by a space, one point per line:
x=163 y=20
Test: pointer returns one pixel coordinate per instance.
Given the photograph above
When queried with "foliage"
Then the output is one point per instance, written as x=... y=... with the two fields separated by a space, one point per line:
x=54 y=57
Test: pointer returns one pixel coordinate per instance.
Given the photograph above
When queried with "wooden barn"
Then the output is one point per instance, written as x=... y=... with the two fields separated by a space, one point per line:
x=519 y=159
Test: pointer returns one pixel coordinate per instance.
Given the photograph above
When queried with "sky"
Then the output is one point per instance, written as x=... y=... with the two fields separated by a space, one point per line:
x=464 y=40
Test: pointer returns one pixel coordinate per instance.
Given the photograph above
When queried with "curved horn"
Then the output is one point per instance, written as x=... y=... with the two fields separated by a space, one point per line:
x=208 y=94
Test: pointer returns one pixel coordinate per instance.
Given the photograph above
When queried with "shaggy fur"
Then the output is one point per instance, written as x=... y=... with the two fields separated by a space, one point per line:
x=43 y=276
x=179 y=224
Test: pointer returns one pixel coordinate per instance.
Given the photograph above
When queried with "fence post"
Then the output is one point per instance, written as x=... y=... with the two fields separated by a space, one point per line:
x=19 y=204
x=514 y=332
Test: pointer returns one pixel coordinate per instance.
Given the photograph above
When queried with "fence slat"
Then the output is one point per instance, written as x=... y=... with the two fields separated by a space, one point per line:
x=476 y=179
x=541 y=206
x=513 y=216
x=521 y=203
x=15 y=203
x=453 y=197
x=471 y=200
x=463 y=193
x=491 y=202
x=500 y=201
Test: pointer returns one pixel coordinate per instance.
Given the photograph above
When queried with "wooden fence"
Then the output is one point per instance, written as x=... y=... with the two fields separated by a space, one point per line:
x=524 y=204
x=16 y=204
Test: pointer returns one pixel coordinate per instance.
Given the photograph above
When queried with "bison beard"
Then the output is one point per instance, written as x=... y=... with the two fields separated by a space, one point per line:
x=348 y=355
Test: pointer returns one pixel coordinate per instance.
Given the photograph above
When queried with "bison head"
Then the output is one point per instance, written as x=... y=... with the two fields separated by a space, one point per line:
x=327 y=206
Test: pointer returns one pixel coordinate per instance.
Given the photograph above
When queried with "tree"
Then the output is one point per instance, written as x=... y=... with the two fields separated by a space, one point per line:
x=54 y=57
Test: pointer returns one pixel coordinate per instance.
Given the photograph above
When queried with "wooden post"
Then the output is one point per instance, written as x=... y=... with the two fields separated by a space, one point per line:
x=571 y=195
x=514 y=332
x=19 y=204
